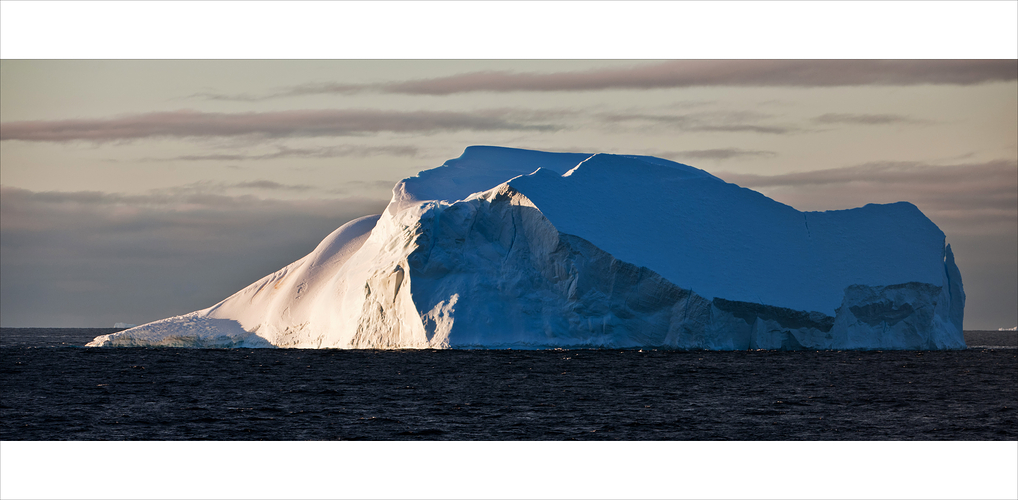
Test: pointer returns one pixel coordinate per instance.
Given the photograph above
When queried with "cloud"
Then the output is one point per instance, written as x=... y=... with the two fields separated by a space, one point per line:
x=364 y=187
x=93 y=258
x=294 y=91
x=681 y=74
x=864 y=119
x=889 y=171
x=972 y=198
x=716 y=154
x=724 y=73
x=705 y=122
x=270 y=185
x=200 y=192
x=299 y=123
x=319 y=152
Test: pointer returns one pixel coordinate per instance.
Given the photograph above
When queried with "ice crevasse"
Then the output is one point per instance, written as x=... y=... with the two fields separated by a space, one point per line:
x=511 y=248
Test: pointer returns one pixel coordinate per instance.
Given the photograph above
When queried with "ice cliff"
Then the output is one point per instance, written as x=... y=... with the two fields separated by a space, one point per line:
x=509 y=248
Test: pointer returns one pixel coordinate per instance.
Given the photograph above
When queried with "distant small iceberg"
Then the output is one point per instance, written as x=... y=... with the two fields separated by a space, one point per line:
x=1012 y=329
x=124 y=325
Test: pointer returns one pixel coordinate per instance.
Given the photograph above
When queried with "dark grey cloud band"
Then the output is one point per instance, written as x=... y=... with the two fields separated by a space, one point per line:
x=297 y=123
x=679 y=74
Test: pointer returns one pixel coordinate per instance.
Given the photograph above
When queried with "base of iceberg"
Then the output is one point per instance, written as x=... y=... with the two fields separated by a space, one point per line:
x=506 y=248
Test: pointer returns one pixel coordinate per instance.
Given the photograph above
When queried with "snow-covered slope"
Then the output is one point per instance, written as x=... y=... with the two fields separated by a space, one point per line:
x=525 y=249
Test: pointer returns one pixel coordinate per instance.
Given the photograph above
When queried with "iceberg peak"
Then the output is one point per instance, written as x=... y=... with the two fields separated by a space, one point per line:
x=516 y=248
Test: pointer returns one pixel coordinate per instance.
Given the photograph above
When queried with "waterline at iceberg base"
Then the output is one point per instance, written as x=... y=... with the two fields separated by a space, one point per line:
x=510 y=248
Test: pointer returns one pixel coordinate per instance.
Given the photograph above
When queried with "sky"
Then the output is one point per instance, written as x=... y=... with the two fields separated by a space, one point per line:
x=133 y=190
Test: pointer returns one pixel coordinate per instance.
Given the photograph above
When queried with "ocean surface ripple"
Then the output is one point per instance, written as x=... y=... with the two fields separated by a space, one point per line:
x=53 y=390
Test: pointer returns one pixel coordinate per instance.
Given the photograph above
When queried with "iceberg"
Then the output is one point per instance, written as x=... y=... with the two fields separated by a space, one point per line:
x=512 y=248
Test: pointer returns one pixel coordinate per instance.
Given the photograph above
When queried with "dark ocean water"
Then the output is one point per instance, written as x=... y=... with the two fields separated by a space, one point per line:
x=53 y=389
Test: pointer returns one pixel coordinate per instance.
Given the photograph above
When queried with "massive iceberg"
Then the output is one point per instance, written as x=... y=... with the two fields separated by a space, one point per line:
x=510 y=248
